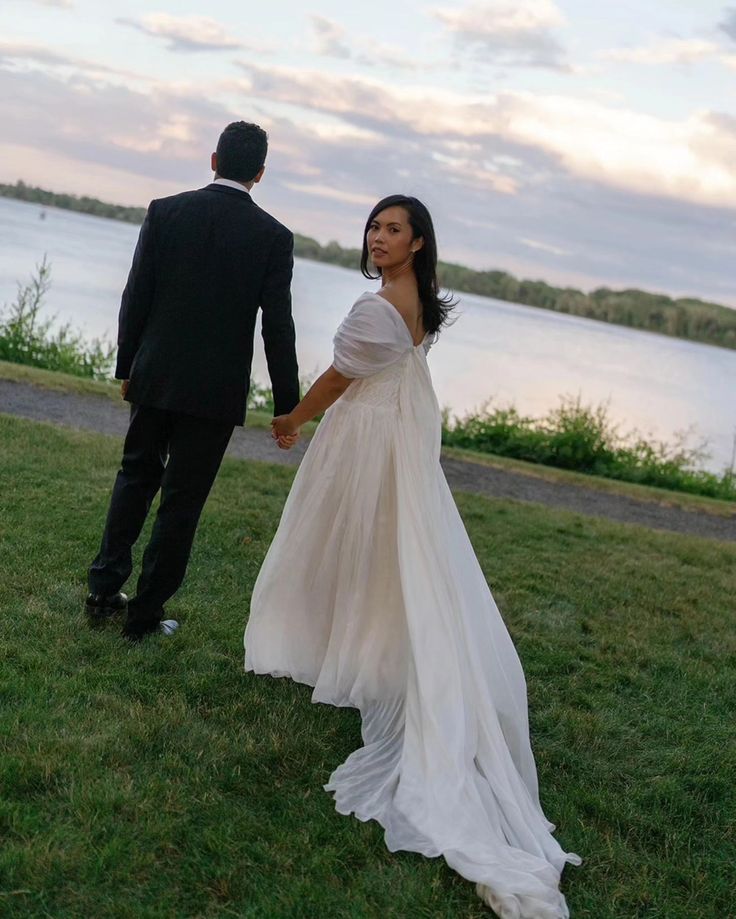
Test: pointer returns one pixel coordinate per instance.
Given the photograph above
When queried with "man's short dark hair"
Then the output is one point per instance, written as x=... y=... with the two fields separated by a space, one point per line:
x=241 y=151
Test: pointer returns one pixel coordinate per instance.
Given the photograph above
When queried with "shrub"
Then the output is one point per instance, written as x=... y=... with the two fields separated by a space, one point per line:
x=26 y=339
x=583 y=438
x=260 y=395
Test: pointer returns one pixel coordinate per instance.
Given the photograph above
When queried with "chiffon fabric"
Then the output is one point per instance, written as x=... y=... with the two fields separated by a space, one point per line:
x=372 y=594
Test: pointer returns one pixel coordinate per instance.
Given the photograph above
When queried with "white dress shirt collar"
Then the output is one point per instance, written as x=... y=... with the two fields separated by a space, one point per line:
x=231 y=184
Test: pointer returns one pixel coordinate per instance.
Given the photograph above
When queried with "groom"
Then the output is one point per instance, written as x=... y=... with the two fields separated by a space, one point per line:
x=205 y=262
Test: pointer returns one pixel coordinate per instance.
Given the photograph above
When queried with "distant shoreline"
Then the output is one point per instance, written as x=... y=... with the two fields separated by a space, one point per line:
x=687 y=318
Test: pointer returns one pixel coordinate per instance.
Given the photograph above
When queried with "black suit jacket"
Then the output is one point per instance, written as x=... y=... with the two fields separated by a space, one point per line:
x=205 y=261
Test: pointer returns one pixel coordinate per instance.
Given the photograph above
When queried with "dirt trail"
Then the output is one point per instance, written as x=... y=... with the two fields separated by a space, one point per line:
x=97 y=413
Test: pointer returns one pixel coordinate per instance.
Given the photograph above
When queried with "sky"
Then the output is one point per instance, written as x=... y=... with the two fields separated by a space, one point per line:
x=583 y=144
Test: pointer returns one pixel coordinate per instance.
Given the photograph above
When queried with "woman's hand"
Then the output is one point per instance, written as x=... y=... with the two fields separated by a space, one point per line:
x=284 y=432
x=283 y=426
x=286 y=443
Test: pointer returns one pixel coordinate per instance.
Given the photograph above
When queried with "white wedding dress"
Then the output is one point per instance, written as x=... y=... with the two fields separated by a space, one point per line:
x=372 y=594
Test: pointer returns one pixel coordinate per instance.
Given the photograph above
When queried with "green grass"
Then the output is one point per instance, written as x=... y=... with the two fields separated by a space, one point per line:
x=162 y=781
x=58 y=382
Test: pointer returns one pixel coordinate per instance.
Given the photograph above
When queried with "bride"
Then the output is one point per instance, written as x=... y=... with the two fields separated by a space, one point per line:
x=372 y=594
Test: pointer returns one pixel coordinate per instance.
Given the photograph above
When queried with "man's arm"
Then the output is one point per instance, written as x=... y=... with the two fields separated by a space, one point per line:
x=277 y=326
x=137 y=299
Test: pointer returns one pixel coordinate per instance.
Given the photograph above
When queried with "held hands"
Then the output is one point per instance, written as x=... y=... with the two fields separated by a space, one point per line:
x=325 y=390
x=124 y=388
x=284 y=432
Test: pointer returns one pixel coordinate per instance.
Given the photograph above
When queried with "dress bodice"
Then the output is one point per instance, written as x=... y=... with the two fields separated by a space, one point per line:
x=374 y=347
x=381 y=390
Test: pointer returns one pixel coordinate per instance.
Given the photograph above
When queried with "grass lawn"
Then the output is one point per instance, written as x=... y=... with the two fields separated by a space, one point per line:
x=58 y=382
x=161 y=781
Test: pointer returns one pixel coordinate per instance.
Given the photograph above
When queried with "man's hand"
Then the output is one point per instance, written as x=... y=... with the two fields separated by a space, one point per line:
x=124 y=388
x=284 y=432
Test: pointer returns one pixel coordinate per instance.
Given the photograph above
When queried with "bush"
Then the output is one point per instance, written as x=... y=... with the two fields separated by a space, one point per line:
x=260 y=395
x=583 y=438
x=24 y=339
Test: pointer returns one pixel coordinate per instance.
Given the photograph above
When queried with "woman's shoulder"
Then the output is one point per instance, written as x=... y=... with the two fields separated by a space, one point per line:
x=370 y=301
x=406 y=310
x=373 y=316
x=380 y=307
x=403 y=301
x=394 y=302
x=369 y=295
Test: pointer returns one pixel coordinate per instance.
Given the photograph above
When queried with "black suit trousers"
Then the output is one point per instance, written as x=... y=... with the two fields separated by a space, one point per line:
x=180 y=455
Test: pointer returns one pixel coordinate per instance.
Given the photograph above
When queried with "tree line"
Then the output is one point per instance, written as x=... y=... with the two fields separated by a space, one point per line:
x=84 y=204
x=684 y=317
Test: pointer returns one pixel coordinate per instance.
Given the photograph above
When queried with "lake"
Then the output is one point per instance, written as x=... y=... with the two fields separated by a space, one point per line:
x=504 y=351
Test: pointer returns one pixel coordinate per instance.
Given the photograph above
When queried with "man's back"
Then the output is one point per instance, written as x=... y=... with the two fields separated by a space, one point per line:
x=205 y=262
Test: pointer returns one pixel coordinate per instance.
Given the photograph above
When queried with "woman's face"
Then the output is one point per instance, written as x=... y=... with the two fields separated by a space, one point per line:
x=390 y=238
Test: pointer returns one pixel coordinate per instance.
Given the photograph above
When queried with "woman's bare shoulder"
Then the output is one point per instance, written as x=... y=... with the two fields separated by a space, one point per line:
x=403 y=301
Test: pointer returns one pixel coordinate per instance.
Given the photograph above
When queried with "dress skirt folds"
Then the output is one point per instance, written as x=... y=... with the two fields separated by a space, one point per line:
x=372 y=594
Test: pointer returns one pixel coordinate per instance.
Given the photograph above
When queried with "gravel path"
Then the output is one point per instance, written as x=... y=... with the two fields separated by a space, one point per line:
x=97 y=413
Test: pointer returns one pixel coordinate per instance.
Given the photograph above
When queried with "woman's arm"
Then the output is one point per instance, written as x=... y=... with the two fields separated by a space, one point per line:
x=325 y=390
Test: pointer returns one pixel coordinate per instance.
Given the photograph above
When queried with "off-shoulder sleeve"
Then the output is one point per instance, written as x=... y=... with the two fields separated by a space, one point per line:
x=369 y=339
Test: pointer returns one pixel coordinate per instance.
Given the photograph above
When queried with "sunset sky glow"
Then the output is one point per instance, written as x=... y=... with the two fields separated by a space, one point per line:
x=581 y=143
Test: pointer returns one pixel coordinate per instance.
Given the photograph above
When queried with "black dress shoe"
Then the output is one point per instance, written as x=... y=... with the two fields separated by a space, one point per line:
x=165 y=627
x=136 y=630
x=100 y=606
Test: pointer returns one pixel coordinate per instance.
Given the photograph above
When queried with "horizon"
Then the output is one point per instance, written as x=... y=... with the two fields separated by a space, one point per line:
x=584 y=149
x=685 y=296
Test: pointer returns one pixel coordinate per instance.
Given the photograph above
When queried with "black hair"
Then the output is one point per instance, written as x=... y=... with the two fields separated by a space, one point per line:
x=435 y=308
x=241 y=151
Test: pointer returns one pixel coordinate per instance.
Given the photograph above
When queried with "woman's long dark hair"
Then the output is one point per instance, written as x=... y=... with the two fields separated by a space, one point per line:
x=435 y=308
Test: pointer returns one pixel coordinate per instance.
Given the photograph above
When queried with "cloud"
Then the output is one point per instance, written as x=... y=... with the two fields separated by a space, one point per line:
x=672 y=51
x=185 y=33
x=131 y=144
x=543 y=246
x=331 y=40
x=717 y=140
x=503 y=32
x=163 y=131
x=592 y=234
x=729 y=23
x=63 y=4
x=626 y=149
x=327 y=191
x=669 y=51
x=589 y=139
x=29 y=53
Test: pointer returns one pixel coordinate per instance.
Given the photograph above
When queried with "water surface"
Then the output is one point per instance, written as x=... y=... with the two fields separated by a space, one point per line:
x=497 y=350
